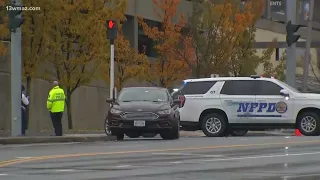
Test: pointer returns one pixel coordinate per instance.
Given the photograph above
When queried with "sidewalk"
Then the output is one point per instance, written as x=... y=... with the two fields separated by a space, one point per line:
x=56 y=139
x=90 y=136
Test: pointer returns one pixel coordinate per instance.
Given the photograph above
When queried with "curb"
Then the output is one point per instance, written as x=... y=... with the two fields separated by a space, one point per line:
x=62 y=139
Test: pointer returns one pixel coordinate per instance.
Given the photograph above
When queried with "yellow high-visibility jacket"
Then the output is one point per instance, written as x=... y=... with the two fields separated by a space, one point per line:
x=56 y=100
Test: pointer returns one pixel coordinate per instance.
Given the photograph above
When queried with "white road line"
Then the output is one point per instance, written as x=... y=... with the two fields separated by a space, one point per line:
x=171 y=154
x=260 y=157
x=4 y=174
x=187 y=154
x=24 y=157
x=176 y=162
x=214 y=156
x=65 y=170
x=298 y=176
x=123 y=166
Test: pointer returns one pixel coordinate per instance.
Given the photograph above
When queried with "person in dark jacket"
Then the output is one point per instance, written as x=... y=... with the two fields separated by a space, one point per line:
x=24 y=104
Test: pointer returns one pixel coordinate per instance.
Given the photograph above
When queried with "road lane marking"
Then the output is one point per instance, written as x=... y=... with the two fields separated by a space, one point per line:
x=4 y=174
x=24 y=157
x=65 y=170
x=260 y=157
x=187 y=154
x=176 y=162
x=299 y=176
x=17 y=161
x=123 y=166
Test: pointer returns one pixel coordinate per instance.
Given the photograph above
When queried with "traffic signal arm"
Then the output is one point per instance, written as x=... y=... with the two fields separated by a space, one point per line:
x=291 y=29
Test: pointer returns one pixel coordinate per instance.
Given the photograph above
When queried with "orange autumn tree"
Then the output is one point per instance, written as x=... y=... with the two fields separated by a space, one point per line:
x=215 y=30
x=34 y=29
x=76 y=41
x=128 y=64
x=169 y=66
x=4 y=32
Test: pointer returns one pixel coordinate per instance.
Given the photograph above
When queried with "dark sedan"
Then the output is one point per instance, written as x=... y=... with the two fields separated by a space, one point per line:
x=144 y=110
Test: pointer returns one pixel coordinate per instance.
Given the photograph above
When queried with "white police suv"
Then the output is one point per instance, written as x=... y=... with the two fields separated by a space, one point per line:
x=224 y=105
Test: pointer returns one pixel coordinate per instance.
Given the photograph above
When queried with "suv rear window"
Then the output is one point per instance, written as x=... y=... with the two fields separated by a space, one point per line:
x=200 y=87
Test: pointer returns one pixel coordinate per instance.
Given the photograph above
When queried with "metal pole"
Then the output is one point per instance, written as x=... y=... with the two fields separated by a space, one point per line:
x=16 y=71
x=291 y=61
x=111 y=68
x=307 y=50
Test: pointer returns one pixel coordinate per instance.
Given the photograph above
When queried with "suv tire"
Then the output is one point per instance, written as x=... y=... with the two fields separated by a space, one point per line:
x=219 y=121
x=174 y=133
x=314 y=120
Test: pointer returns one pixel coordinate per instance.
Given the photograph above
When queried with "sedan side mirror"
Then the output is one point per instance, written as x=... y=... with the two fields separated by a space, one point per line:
x=284 y=92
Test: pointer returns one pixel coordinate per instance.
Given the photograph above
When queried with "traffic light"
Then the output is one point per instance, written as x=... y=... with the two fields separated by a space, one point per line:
x=14 y=22
x=291 y=37
x=112 y=27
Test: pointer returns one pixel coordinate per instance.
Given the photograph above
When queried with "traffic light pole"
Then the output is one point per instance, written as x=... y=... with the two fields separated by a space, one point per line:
x=111 y=68
x=16 y=69
x=307 y=50
x=291 y=60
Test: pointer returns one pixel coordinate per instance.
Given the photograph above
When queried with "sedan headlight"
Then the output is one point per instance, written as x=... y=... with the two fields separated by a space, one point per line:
x=167 y=111
x=115 y=111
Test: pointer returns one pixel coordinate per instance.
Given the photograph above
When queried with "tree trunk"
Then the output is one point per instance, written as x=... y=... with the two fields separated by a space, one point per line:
x=69 y=110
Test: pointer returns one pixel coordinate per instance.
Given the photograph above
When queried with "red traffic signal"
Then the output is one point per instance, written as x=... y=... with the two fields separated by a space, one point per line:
x=112 y=24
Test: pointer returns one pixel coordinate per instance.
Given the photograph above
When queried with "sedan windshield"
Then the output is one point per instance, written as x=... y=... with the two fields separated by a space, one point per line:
x=141 y=94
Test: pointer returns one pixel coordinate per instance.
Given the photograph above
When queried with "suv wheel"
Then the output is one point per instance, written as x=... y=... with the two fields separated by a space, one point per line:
x=309 y=124
x=214 y=125
x=174 y=133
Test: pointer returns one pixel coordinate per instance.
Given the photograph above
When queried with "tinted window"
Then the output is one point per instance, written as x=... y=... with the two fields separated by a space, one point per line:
x=143 y=94
x=267 y=88
x=197 y=87
x=238 y=87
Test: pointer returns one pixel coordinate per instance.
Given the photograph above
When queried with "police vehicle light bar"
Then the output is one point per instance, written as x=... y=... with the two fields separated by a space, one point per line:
x=255 y=76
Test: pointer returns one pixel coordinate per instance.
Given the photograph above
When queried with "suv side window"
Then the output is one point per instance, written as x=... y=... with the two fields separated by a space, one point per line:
x=267 y=88
x=238 y=87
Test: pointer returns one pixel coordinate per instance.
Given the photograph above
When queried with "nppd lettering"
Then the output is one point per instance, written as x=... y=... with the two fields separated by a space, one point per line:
x=280 y=107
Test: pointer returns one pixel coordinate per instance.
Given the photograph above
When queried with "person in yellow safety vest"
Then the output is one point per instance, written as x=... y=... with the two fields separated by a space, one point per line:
x=55 y=104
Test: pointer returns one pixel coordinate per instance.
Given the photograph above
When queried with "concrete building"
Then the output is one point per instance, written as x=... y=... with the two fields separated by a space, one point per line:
x=88 y=106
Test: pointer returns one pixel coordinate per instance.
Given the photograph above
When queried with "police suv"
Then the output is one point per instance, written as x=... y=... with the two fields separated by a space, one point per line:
x=224 y=105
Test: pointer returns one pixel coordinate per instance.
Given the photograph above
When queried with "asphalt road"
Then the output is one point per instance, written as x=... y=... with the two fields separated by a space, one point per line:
x=189 y=158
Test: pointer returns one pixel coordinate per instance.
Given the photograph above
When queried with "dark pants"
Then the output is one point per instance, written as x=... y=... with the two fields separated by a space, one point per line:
x=56 y=122
x=23 y=121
